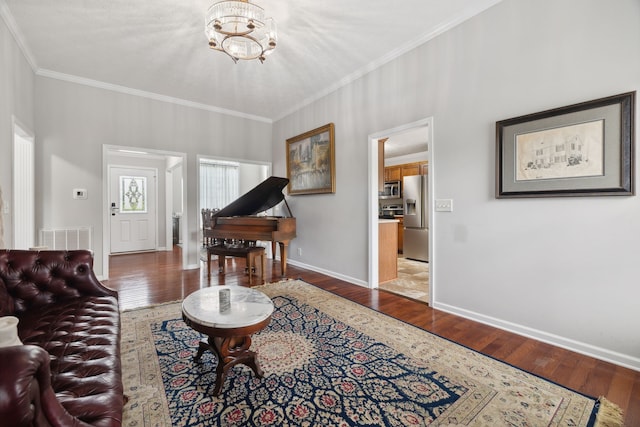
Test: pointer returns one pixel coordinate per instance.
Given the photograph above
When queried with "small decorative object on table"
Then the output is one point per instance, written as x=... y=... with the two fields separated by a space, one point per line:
x=225 y=300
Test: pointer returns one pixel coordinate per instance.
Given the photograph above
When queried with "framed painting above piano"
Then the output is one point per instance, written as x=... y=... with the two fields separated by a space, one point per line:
x=311 y=162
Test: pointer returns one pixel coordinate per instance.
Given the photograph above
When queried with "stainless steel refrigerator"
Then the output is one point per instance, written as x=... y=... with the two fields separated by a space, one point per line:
x=416 y=219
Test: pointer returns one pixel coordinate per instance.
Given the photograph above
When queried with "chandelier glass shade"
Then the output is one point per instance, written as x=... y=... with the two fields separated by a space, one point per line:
x=239 y=29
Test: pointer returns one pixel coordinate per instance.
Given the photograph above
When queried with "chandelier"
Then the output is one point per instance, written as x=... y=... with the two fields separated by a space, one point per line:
x=239 y=29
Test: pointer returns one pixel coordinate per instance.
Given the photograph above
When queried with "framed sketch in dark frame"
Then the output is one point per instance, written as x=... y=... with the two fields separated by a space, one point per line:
x=311 y=162
x=583 y=149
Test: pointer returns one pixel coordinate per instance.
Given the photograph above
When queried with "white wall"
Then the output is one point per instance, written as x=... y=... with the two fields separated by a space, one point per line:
x=176 y=183
x=560 y=269
x=250 y=175
x=16 y=100
x=73 y=122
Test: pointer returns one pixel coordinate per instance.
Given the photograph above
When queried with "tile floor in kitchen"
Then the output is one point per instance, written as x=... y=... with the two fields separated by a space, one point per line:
x=412 y=281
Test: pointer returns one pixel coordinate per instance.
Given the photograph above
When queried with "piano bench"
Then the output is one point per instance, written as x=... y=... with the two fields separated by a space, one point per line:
x=250 y=253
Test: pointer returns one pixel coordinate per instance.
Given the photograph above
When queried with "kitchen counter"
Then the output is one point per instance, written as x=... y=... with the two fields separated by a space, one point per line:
x=387 y=250
x=387 y=220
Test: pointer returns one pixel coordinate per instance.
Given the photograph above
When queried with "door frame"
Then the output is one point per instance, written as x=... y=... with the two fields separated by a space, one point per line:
x=106 y=203
x=201 y=157
x=373 y=199
x=19 y=129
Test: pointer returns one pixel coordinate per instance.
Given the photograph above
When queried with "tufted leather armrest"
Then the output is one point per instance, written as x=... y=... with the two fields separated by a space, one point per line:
x=25 y=387
x=6 y=301
x=68 y=373
x=36 y=278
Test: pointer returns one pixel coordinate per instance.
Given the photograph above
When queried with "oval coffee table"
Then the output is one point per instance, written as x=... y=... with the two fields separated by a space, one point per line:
x=228 y=315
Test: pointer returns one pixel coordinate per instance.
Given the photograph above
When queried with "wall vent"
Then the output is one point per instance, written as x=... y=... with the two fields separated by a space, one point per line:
x=66 y=238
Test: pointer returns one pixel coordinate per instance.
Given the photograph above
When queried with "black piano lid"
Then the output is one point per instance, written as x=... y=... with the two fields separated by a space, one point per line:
x=263 y=196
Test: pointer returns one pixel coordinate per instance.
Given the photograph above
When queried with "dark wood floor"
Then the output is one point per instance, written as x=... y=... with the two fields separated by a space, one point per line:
x=152 y=278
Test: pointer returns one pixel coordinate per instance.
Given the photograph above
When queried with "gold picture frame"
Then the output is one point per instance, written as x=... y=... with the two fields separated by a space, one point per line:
x=311 y=162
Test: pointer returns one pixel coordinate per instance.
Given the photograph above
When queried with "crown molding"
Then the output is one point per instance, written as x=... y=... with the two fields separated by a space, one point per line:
x=10 y=21
x=150 y=95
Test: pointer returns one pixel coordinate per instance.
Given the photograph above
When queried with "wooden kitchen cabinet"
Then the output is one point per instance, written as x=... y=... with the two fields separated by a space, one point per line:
x=393 y=173
x=410 y=169
x=396 y=173
x=417 y=168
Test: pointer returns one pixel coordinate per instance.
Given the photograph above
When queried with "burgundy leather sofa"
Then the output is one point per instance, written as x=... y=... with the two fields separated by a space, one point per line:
x=68 y=372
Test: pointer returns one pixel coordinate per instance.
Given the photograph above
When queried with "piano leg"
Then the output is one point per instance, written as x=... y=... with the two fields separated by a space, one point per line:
x=273 y=251
x=283 y=257
x=221 y=264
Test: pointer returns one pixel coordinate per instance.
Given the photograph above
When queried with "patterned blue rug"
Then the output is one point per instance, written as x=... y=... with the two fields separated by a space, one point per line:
x=318 y=372
x=331 y=362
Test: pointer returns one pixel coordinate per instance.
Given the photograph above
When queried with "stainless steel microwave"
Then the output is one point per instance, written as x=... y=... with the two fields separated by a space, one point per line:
x=392 y=190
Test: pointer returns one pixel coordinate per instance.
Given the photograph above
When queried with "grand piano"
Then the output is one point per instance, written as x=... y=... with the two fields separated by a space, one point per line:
x=239 y=224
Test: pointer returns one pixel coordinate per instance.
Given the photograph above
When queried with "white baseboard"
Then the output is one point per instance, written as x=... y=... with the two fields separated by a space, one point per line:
x=624 y=360
x=620 y=359
x=335 y=275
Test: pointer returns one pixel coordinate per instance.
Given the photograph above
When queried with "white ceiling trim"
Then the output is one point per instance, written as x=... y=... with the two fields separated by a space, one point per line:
x=8 y=19
x=150 y=95
x=407 y=158
x=468 y=14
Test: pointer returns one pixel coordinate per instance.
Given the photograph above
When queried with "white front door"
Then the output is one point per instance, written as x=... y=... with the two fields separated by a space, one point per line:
x=132 y=195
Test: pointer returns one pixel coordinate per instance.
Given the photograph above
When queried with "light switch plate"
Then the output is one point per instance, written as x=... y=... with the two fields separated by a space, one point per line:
x=444 y=205
x=79 y=193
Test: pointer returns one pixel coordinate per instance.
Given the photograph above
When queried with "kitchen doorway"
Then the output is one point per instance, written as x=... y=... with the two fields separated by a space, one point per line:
x=402 y=156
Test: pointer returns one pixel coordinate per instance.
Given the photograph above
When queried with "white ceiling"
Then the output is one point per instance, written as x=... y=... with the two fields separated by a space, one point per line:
x=158 y=48
x=411 y=141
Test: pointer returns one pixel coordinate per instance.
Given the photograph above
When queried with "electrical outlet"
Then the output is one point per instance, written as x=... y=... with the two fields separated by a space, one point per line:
x=299 y=251
x=444 y=205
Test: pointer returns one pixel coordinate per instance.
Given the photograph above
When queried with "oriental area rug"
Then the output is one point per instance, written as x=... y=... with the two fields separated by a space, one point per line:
x=328 y=361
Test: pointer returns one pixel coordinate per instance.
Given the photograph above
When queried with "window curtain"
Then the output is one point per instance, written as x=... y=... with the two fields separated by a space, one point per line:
x=219 y=183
